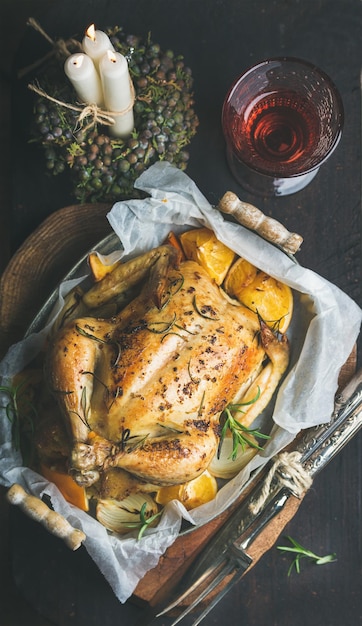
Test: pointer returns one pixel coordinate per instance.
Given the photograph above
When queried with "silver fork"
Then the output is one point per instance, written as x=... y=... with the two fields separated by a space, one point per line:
x=233 y=561
x=226 y=553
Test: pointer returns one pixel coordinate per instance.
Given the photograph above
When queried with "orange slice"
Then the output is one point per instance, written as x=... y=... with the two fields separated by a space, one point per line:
x=270 y=298
x=99 y=270
x=199 y=491
x=72 y=492
x=192 y=494
x=201 y=245
x=239 y=276
x=167 y=494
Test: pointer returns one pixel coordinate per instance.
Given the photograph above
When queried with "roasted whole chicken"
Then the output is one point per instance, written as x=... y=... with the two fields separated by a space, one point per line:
x=144 y=389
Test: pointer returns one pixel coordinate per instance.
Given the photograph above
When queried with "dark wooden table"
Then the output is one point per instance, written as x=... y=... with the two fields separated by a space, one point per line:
x=219 y=39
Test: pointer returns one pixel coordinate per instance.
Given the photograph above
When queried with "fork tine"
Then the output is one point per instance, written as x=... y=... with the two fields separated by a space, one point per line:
x=222 y=559
x=227 y=568
x=237 y=575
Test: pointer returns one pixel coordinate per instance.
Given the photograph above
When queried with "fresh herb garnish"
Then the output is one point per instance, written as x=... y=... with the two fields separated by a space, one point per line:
x=205 y=311
x=145 y=521
x=85 y=408
x=126 y=438
x=201 y=405
x=85 y=333
x=303 y=553
x=171 y=429
x=176 y=284
x=159 y=328
x=172 y=333
x=193 y=379
x=19 y=411
x=240 y=433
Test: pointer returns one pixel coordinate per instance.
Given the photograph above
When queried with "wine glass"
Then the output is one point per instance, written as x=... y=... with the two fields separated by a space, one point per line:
x=281 y=120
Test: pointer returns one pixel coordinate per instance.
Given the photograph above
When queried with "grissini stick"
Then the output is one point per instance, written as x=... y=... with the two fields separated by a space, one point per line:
x=55 y=523
x=267 y=227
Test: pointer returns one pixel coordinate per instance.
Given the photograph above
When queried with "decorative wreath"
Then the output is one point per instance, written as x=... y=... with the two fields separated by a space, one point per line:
x=102 y=167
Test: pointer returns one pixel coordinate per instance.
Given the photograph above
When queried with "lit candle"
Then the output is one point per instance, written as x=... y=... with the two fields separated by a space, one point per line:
x=84 y=77
x=117 y=92
x=95 y=44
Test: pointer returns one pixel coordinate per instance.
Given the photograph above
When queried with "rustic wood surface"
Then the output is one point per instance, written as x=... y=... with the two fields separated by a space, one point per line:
x=219 y=40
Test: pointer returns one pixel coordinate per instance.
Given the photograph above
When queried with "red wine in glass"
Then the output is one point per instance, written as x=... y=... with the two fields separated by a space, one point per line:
x=281 y=120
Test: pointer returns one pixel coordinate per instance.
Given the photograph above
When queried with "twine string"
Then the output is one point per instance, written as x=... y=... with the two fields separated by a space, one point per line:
x=60 y=47
x=290 y=473
x=35 y=24
x=98 y=115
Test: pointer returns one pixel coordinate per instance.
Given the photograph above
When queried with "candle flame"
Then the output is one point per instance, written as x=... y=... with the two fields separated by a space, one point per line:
x=78 y=60
x=91 y=32
x=111 y=56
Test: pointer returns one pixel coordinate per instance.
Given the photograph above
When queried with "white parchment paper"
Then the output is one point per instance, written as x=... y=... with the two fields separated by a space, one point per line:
x=321 y=341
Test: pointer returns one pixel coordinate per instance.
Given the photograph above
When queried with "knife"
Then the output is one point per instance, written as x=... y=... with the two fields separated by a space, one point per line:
x=226 y=553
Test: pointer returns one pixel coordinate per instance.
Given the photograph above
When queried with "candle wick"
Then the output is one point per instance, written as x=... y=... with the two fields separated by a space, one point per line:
x=77 y=61
x=91 y=33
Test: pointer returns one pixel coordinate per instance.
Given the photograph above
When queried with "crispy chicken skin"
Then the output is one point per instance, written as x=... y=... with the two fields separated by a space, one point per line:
x=144 y=391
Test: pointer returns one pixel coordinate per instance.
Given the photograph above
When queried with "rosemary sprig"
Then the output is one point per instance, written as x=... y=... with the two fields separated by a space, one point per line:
x=85 y=333
x=203 y=310
x=193 y=379
x=144 y=522
x=18 y=409
x=140 y=439
x=303 y=553
x=238 y=431
x=172 y=333
x=189 y=332
x=174 y=286
x=201 y=405
x=126 y=437
x=115 y=396
x=85 y=409
x=89 y=373
x=159 y=328
x=169 y=429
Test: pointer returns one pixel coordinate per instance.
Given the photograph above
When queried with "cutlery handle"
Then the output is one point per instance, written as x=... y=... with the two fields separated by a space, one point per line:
x=316 y=450
x=244 y=528
x=37 y=510
x=273 y=508
x=325 y=442
x=262 y=540
x=267 y=227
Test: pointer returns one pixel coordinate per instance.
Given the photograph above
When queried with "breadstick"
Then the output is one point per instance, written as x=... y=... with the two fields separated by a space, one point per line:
x=40 y=512
x=267 y=227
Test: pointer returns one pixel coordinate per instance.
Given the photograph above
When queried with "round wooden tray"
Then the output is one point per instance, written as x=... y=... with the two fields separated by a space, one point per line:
x=42 y=261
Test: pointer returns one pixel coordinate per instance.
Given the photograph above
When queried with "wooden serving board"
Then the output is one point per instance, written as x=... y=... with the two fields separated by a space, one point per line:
x=42 y=261
x=31 y=276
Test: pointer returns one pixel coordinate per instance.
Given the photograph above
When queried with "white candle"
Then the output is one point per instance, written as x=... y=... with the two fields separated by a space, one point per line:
x=95 y=44
x=84 y=77
x=117 y=92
